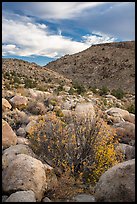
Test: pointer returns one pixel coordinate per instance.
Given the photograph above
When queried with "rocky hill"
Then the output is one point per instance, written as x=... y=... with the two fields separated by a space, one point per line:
x=16 y=72
x=109 y=64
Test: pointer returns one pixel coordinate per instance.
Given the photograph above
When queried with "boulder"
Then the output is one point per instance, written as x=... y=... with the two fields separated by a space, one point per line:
x=83 y=110
x=10 y=153
x=22 y=196
x=68 y=105
x=126 y=131
x=5 y=105
x=25 y=173
x=130 y=118
x=19 y=101
x=117 y=184
x=30 y=126
x=22 y=140
x=115 y=119
x=8 y=135
x=117 y=112
x=66 y=88
x=21 y=132
x=36 y=94
x=21 y=116
x=127 y=150
x=111 y=97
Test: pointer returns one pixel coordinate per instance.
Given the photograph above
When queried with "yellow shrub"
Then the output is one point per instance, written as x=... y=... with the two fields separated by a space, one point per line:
x=84 y=149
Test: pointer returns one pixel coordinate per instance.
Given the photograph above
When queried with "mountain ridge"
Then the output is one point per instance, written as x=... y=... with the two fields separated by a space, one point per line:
x=107 y=64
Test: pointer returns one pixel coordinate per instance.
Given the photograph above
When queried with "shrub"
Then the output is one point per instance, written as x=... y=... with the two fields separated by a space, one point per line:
x=71 y=91
x=103 y=91
x=79 y=87
x=118 y=93
x=29 y=83
x=131 y=108
x=84 y=149
x=36 y=108
x=94 y=89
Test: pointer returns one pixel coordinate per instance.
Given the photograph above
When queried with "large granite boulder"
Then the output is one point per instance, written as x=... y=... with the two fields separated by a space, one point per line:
x=25 y=173
x=117 y=184
x=10 y=153
x=9 y=137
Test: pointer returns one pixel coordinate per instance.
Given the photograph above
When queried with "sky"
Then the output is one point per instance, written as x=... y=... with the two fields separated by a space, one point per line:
x=41 y=32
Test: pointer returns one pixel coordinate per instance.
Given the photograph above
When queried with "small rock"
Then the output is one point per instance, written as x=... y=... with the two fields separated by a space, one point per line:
x=46 y=199
x=4 y=197
x=30 y=126
x=21 y=132
x=127 y=150
x=84 y=198
x=22 y=140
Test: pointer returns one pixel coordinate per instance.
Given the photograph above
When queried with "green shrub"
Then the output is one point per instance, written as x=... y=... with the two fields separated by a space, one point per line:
x=131 y=108
x=118 y=93
x=103 y=91
x=71 y=91
x=80 y=89
x=94 y=89
x=29 y=83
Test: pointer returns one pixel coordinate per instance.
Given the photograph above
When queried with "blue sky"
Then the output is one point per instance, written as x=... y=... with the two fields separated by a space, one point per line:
x=41 y=32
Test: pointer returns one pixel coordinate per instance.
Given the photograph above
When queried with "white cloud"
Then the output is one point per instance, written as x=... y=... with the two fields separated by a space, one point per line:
x=34 y=39
x=21 y=36
x=54 y=10
x=97 y=38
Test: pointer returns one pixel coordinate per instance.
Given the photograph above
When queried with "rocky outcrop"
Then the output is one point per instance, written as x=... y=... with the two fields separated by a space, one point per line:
x=117 y=184
x=25 y=173
x=8 y=135
x=22 y=196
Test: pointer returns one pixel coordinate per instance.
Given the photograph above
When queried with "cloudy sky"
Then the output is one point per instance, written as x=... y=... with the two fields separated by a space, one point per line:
x=44 y=31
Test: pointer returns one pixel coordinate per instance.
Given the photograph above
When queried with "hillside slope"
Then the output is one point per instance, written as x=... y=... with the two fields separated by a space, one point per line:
x=109 y=64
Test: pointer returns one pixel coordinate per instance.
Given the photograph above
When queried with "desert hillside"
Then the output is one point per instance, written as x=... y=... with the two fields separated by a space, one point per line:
x=110 y=64
x=64 y=141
